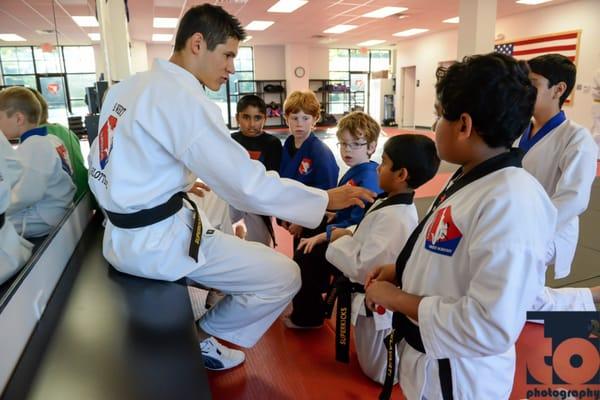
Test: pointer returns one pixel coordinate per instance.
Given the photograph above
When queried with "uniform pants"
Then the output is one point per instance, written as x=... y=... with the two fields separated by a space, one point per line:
x=370 y=348
x=14 y=252
x=30 y=224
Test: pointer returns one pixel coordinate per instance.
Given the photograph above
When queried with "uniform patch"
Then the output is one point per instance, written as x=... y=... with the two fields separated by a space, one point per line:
x=305 y=166
x=443 y=236
x=255 y=155
x=64 y=159
x=105 y=138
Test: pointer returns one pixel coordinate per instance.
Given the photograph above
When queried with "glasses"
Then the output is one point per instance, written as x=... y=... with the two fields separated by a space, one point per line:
x=351 y=146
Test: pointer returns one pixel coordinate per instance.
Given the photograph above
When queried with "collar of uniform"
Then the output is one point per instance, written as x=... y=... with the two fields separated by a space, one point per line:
x=527 y=142
x=176 y=69
x=40 y=131
x=358 y=169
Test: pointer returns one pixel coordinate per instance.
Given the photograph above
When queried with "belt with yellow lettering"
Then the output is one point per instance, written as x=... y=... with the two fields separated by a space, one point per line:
x=161 y=212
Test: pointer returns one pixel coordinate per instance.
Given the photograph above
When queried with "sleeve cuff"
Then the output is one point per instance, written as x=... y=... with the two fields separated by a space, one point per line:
x=426 y=326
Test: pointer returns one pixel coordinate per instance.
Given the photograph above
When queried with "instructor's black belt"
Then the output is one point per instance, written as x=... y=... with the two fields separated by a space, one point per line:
x=341 y=290
x=161 y=212
x=1 y=220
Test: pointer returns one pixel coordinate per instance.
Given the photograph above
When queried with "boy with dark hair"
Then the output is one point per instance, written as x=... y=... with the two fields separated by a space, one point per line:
x=159 y=132
x=45 y=188
x=408 y=161
x=251 y=116
x=474 y=265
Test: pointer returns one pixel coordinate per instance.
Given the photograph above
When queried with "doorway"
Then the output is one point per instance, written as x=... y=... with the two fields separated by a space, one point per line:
x=407 y=93
x=54 y=90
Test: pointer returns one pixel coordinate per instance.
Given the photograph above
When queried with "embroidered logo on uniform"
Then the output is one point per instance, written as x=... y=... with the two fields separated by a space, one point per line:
x=443 y=235
x=305 y=166
x=64 y=159
x=255 y=155
x=105 y=138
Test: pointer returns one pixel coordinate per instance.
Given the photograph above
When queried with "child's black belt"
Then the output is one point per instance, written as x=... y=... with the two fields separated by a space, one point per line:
x=159 y=213
x=1 y=220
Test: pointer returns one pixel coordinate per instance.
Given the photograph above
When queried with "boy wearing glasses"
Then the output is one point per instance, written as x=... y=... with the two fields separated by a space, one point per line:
x=357 y=134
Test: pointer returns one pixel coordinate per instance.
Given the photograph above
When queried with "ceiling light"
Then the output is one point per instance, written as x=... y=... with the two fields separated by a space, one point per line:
x=340 y=29
x=287 y=6
x=94 y=36
x=11 y=37
x=385 y=12
x=85 y=20
x=410 y=32
x=247 y=38
x=328 y=40
x=160 y=22
x=162 y=37
x=532 y=2
x=258 y=25
x=368 y=43
x=453 y=20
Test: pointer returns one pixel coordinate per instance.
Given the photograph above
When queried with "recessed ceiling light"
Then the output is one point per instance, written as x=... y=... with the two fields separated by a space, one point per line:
x=162 y=37
x=160 y=22
x=368 y=43
x=258 y=25
x=85 y=20
x=11 y=37
x=247 y=38
x=94 y=36
x=453 y=20
x=340 y=28
x=385 y=12
x=532 y=2
x=410 y=32
x=287 y=6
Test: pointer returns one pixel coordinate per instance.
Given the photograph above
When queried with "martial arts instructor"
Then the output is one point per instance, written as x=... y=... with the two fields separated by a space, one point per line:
x=158 y=133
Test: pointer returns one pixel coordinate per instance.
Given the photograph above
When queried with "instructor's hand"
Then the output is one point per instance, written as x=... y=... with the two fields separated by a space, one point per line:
x=347 y=196
x=198 y=188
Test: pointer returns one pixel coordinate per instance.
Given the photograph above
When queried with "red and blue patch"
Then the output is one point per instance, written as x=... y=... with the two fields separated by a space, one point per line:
x=105 y=138
x=443 y=236
x=305 y=166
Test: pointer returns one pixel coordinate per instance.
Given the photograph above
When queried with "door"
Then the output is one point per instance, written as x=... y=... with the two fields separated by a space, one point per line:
x=359 y=91
x=408 y=96
x=54 y=90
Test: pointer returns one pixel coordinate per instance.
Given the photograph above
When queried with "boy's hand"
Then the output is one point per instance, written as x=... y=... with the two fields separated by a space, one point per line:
x=385 y=273
x=240 y=231
x=381 y=293
x=347 y=196
x=198 y=188
x=295 y=230
x=330 y=216
x=337 y=233
x=309 y=243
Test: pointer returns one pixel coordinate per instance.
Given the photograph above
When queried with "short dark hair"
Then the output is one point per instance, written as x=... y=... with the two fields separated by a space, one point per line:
x=251 y=100
x=494 y=89
x=556 y=68
x=213 y=22
x=416 y=153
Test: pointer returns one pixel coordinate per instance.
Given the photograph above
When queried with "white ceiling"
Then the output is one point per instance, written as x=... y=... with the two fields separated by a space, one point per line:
x=28 y=18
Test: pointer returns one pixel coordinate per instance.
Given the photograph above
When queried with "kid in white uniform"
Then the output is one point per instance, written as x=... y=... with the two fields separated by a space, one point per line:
x=158 y=133
x=45 y=188
x=561 y=155
x=472 y=268
x=408 y=161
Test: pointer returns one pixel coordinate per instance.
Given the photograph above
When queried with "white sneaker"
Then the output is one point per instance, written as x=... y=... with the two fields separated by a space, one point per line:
x=218 y=357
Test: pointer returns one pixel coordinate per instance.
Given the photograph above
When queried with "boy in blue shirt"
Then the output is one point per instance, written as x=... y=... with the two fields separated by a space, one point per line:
x=357 y=134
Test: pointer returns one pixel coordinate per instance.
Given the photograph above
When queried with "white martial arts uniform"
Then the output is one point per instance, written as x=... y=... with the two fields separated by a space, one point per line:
x=14 y=250
x=378 y=240
x=45 y=188
x=596 y=109
x=479 y=263
x=159 y=131
x=564 y=162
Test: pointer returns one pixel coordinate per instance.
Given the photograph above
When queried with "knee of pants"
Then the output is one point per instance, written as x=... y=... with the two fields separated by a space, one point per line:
x=289 y=276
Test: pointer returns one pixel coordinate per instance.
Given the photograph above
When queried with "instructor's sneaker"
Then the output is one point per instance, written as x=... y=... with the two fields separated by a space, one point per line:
x=218 y=357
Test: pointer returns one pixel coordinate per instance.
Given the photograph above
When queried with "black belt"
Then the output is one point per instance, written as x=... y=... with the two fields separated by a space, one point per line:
x=159 y=213
x=1 y=220
x=341 y=290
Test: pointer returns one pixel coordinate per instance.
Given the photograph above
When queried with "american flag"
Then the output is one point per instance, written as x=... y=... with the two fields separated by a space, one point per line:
x=561 y=43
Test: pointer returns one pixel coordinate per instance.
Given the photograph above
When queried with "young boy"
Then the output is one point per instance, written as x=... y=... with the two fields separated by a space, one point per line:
x=45 y=189
x=251 y=116
x=561 y=155
x=474 y=265
x=408 y=161
x=357 y=133
x=308 y=160
x=14 y=250
x=72 y=145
